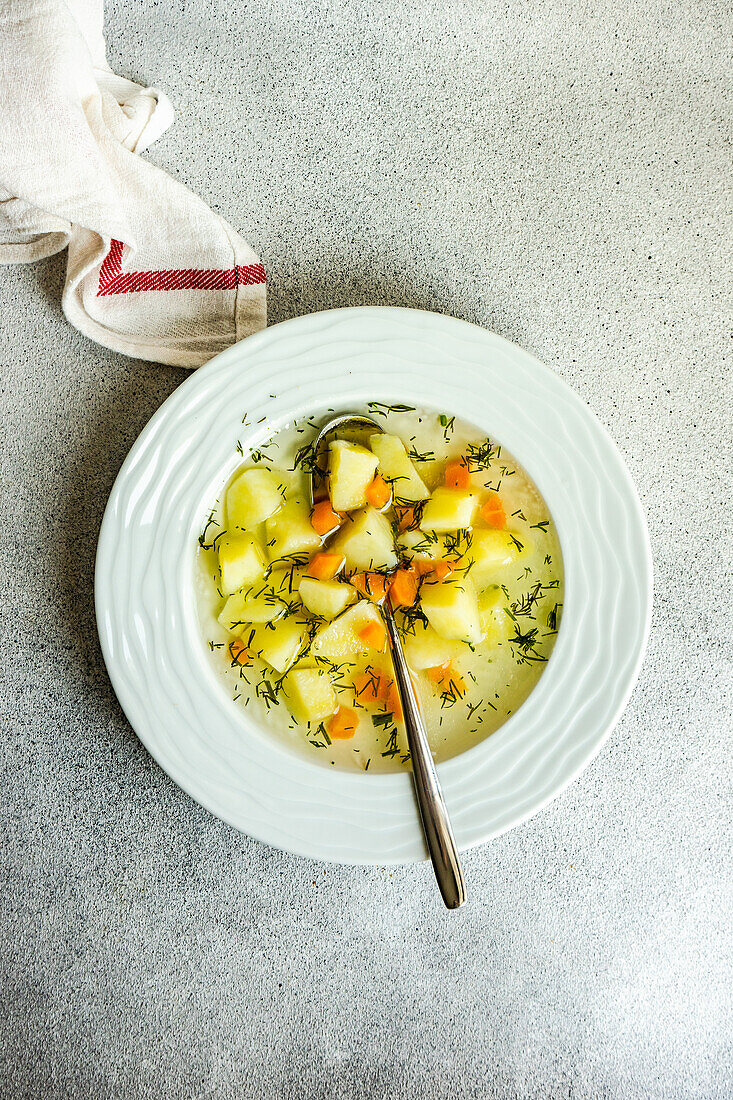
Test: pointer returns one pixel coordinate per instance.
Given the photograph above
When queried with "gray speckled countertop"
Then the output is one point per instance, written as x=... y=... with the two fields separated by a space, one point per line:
x=552 y=171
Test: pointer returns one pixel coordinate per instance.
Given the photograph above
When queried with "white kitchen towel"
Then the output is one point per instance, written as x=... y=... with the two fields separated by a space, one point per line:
x=152 y=271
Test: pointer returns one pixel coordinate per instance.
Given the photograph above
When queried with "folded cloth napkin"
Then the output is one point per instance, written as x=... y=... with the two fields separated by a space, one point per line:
x=152 y=271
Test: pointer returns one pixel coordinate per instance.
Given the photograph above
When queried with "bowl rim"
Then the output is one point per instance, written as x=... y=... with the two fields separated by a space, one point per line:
x=357 y=331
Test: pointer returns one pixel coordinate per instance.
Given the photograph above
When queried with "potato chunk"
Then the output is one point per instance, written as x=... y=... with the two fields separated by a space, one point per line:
x=366 y=541
x=351 y=470
x=289 y=531
x=284 y=582
x=310 y=694
x=241 y=562
x=494 y=619
x=396 y=466
x=253 y=497
x=281 y=643
x=426 y=649
x=423 y=546
x=448 y=510
x=451 y=608
x=251 y=605
x=489 y=551
x=327 y=599
x=341 y=638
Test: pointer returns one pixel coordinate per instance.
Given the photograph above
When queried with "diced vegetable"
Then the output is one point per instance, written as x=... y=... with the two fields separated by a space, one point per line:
x=310 y=694
x=396 y=466
x=449 y=680
x=494 y=620
x=394 y=703
x=366 y=541
x=378 y=493
x=284 y=582
x=489 y=551
x=451 y=608
x=253 y=497
x=327 y=599
x=342 y=638
x=251 y=605
x=324 y=520
x=241 y=562
x=425 y=648
x=374 y=636
x=351 y=470
x=442 y=569
x=372 y=686
x=324 y=566
x=457 y=475
x=421 y=545
x=403 y=586
x=371 y=585
x=492 y=512
x=408 y=517
x=448 y=510
x=239 y=653
x=343 y=724
x=290 y=532
x=281 y=643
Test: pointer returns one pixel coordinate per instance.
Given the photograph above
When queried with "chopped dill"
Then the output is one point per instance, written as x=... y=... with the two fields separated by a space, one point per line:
x=481 y=455
x=384 y=410
x=527 y=645
x=392 y=749
x=415 y=455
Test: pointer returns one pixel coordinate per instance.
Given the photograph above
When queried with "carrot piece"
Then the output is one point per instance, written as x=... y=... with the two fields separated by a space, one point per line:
x=386 y=683
x=492 y=512
x=454 y=684
x=373 y=635
x=393 y=702
x=403 y=587
x=372 y=686
x=440 y=569
x=378 y=493
x=371 y=585
x=438 y=672
x=407 y=517
x=366 y=687
x=343 y=724
x=448 y=679
x=239 y=653
x=324 y=566
x=443 y=569
x=323 y=518
x=457 y=475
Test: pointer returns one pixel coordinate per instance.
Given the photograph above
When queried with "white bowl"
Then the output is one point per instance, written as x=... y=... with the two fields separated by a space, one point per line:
x=340 y=359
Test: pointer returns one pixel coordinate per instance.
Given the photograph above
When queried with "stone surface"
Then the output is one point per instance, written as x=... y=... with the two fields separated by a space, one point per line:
x=552 y=171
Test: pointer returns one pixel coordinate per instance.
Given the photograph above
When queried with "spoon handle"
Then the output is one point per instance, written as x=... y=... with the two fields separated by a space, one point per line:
x=436 y=825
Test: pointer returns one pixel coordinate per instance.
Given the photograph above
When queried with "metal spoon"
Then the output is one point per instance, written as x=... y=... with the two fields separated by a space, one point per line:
x=435 y=821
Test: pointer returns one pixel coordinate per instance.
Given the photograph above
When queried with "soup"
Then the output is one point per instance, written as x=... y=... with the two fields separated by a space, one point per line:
x=428 y=513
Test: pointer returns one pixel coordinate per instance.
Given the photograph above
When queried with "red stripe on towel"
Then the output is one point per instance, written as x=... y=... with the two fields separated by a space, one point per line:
x=112 y=280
